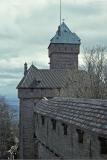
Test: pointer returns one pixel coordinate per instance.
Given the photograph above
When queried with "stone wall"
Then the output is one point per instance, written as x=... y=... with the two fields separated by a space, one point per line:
x=64 y=61
x=54 y=144
x=63 y=56
x=27 y=99
x=26 y=129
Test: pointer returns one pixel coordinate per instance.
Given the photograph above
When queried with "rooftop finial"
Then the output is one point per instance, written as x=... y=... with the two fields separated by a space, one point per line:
x=25 y=68
x=63 y=20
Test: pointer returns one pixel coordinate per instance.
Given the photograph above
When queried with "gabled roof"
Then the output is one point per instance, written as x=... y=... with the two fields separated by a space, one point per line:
x=64 y=35
x=48 y=78
x=84 y=113
x=43 y=78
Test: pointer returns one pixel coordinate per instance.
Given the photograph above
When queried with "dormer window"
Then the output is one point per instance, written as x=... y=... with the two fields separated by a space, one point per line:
x=80 y=135
x=53 y=124
x=103 y=145
x=43 y=120
x=37 y=82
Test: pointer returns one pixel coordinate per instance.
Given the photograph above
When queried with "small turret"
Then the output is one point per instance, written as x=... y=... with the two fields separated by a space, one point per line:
x=25 y=69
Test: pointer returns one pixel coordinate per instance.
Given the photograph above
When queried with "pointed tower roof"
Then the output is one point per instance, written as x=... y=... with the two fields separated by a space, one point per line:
x=64 y=35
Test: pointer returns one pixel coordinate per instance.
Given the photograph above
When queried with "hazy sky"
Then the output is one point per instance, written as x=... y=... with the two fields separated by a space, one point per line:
x=26 y=27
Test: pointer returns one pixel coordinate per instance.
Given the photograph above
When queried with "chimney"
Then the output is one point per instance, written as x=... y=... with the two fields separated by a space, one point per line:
x=25 y=68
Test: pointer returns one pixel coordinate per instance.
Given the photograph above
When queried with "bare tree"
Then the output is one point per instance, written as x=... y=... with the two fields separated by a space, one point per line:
x=77 y=85
x=91 y=81
x=95 y=64
x=6 y=129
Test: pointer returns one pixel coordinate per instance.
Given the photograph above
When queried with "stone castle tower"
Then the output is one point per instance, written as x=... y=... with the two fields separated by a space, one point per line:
x=64 y=49
x=39 y=83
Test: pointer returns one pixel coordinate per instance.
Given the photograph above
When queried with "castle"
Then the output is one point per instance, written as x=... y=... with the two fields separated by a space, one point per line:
x=55 y=127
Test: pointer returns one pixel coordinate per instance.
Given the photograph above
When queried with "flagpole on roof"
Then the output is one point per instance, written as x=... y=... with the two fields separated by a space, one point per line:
x=60 y=11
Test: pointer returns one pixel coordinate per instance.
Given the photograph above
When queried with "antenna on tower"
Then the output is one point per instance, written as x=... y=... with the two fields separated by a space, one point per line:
x=60 y=11
x=59 y=28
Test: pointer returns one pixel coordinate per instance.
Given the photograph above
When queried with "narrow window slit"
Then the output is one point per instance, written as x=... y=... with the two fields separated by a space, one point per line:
x=43 y=120
x=53 y=124
x=65 y=128
x=80 y=135
x=103 y=145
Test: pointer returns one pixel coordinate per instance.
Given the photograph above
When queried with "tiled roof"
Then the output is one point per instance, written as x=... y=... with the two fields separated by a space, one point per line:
x=43 y=78
x=64 y=35
x=48 y=78
x=83 y=113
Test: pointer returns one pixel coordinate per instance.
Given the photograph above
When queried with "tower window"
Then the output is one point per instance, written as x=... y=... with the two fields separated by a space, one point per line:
x=65 y=128
x=80 y=135
x=103 y=145
x=53 y=124
x=43 y=120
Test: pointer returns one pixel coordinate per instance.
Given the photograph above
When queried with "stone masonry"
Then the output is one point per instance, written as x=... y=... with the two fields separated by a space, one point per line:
x=63 y=56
